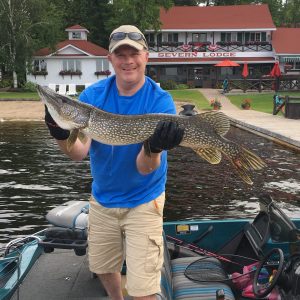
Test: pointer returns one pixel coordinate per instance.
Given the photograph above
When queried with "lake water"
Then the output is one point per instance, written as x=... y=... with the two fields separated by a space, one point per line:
x=35 y=177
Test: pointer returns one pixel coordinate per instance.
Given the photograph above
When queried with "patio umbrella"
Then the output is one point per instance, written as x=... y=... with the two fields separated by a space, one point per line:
x=227 y=63
x=245 y=71
x=275 y=72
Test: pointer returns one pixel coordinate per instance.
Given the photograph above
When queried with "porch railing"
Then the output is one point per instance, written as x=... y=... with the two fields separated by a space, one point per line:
x=209 y=47
x=285 y=83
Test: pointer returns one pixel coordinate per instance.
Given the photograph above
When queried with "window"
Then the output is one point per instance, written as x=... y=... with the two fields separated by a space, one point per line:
x=150 y=37
x=39 y=65
x=225 y=36
x=159 y=38
x=255 y=37
x=297 y=65
x=72 y=65
x=240 y=37
x=171 y=71
x=199 y=37
x=102 y=65
x=173 y=37
x=76 y=35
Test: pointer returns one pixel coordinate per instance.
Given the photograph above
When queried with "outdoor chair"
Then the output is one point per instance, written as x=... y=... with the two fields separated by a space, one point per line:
x=52 y=86
x=72 y=90
x=62 y=90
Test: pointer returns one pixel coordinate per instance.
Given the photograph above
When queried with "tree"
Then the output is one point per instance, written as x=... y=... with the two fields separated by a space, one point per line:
x=91 y=14
x=142 y=13
x=25 y=26
x=186 y=2
x=291 y=16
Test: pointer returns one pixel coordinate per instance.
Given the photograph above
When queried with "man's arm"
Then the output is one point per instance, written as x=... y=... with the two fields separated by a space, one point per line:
x=79 y=150
x=166 y=136
x=147 y=164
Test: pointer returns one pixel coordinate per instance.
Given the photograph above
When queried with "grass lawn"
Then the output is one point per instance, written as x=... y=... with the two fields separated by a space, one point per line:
x=261 y=102
x=191 y=96
x=17 y=95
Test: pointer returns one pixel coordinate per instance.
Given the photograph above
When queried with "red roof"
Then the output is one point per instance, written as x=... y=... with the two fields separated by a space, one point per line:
x=286 y=41
x=217 y=17
x=76 y=27
x=83 y=45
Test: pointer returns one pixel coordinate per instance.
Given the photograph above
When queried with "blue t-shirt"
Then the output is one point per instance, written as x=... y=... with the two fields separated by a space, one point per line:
x=116 y=180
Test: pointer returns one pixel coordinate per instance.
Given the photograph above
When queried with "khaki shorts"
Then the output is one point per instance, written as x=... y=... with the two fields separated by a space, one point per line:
x=139 y=231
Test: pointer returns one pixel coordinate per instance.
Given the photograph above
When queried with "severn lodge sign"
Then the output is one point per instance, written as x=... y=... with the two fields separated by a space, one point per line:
x=207 y=54
x=194 y=54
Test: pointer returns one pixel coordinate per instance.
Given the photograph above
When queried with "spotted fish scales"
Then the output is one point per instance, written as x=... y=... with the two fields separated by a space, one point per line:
x=204 y=133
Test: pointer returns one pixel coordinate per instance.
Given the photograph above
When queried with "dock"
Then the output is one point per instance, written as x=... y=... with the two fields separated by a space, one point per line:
x=277 y=128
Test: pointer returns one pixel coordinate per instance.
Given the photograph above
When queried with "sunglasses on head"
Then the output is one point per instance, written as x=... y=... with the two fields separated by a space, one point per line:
x=135 y=36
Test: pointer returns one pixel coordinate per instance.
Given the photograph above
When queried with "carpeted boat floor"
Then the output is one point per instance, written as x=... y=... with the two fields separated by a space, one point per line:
x=60 y=275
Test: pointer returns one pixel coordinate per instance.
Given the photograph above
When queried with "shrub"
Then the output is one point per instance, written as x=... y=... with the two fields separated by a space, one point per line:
x=215 y=103
x=182 y=86
x=29 y=86
x=168 y=85
x=5 y=83
x=246 y=103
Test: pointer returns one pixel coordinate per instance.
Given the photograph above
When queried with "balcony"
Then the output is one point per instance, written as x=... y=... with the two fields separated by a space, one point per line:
x=235 y=46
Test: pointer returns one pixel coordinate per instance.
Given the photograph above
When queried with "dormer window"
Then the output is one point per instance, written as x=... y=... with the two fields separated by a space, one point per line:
x=76 y=35
x=77 y=32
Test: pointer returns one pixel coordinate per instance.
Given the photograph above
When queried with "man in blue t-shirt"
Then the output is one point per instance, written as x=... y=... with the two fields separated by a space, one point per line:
x=128 y=189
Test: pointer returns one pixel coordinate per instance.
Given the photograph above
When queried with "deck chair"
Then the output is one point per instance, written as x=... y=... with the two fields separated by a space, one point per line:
x=72 y=90
x=52 y=86
x=62 y=90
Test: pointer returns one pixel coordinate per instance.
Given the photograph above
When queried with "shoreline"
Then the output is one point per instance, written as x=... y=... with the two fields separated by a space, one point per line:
x=33 y=111
x=21 y=110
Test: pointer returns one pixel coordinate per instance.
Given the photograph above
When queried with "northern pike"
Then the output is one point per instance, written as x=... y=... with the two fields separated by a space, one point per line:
x=204 y=132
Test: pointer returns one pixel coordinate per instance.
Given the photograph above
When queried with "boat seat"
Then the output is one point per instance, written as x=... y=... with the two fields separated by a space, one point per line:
x=72 y=214
x=176 y=286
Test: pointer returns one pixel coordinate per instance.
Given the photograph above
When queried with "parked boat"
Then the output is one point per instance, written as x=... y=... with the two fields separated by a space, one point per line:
x=203 y=259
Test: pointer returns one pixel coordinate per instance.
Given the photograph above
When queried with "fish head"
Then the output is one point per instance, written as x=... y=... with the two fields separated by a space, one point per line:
x=66 y=112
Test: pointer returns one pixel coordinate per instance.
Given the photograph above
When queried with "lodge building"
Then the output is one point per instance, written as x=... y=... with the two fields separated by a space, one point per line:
x=191 y=41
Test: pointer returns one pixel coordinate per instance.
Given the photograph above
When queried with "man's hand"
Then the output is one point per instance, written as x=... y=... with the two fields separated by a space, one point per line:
x=166 y=136
x=57 y=132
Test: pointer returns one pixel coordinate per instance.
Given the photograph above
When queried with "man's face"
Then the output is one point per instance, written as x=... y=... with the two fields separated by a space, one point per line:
x=129 y=64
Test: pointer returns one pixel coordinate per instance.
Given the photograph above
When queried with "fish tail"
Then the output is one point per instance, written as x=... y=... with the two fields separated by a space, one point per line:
x=246 y=162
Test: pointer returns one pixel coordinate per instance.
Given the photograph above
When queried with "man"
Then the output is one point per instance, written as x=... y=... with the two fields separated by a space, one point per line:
x=128 y=186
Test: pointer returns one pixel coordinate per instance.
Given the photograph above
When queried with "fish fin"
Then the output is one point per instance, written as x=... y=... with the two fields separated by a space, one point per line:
x=72 y=139
x=82 y=137
x=245 y=162
x=147 y=148
x=211 y=155
x=218 y=120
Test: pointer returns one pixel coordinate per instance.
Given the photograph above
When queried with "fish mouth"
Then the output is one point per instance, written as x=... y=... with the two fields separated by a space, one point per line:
x=50 y=98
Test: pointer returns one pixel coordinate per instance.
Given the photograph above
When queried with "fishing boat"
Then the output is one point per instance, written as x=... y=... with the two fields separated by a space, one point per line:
x=229 y=259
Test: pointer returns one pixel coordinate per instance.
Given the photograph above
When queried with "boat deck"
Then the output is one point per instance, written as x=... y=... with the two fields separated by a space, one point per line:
x=61 y=275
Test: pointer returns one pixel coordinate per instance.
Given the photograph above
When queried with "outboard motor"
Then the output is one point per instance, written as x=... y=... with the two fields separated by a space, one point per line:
x=188 y=110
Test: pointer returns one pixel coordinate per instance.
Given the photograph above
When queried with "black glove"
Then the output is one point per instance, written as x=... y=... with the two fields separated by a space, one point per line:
x=57 y=132
x=166 y=136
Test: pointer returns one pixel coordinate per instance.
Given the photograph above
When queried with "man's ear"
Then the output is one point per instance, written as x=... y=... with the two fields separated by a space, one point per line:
x=109 y=57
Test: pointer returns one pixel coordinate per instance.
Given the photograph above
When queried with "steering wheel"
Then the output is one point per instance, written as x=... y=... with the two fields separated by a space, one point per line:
x=262 y=290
